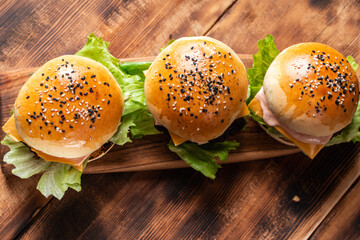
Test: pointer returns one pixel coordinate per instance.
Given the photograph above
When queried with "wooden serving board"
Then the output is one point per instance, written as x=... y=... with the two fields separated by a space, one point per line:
x=151 y=152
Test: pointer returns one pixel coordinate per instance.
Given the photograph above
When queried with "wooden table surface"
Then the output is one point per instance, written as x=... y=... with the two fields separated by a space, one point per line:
x=289 y=197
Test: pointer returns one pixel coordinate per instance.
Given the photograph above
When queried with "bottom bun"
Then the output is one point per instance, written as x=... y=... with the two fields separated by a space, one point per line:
x=101 y=151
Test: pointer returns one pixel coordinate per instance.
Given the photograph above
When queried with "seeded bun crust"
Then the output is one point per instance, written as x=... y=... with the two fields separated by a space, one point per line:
x=312 y=89
x=196 y=88
x=69 y=107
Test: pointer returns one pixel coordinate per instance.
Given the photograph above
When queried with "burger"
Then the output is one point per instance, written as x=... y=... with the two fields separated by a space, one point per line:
x=67 y=111
x=196 y=88
x=310 y=93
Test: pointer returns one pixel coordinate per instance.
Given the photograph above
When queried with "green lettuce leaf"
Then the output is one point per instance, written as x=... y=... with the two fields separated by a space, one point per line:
x=170 y=42
x=144 y=123
x=24 y=161
x=262 y=60
x=135 y=68
x=56 y=177
x=203 y=157
x=121 y=136
x=352 y=62
x=350 y=133
x=136 y=118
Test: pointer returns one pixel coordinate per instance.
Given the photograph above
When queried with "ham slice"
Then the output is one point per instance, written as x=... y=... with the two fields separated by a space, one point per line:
x=271 y=120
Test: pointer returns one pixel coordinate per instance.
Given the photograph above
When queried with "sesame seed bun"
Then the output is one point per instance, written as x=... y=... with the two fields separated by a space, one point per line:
x=196 y=87
x=312 y=89
x=69 y=107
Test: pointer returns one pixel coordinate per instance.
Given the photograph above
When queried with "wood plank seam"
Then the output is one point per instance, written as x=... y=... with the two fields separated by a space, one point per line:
x=334 y=207
x=220 y=17
x=33 y=218
x=332 y=212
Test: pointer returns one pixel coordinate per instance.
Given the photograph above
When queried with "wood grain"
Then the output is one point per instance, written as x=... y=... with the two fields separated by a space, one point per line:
x=281 y=198
x=250 y=200
x=36 y=31
x=335 y=23
x=343 y=222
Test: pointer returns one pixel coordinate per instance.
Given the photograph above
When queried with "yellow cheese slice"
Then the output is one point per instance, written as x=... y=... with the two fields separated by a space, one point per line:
x=10 y=129
x=176 y=139
x=309 y=149
x=244 y=112
x=255 y=106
